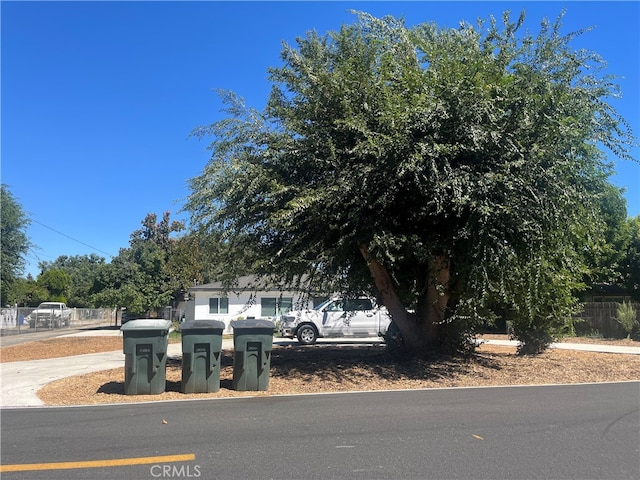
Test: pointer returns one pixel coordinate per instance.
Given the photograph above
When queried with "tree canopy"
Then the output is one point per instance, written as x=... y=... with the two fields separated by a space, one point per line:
x=454 y=173
x=15 y=243
x=57 y=283
x=630 y=264
x=82 y=271
x=152 y=272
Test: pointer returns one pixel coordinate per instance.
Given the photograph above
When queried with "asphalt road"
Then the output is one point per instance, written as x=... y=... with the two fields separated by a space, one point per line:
x=548 y=432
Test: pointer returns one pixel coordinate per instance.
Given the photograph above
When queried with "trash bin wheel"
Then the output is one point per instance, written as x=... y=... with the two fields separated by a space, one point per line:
x=307 y=335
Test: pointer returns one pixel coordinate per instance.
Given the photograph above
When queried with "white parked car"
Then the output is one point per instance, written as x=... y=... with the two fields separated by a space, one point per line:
x=50 y=315
x=360 y=317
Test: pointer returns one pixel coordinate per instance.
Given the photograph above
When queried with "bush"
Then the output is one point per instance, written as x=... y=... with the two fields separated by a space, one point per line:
x=532 y=340
x=627 y=317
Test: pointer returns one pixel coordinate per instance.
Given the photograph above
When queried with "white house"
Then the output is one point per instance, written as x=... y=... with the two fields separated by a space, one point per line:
x=247 y=299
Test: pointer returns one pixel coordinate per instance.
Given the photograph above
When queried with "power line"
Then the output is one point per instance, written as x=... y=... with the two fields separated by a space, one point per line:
x=70 y=237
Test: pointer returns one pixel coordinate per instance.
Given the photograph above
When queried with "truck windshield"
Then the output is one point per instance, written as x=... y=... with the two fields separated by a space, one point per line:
x=49 y=305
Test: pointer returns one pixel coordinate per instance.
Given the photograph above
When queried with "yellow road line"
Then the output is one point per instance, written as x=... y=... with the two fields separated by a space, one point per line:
x=116 y=462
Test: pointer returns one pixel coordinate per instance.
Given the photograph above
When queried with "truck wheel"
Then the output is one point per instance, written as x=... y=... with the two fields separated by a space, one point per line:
x=307 y=335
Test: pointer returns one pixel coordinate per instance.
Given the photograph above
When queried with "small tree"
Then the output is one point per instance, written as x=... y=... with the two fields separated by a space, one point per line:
x=627 y=317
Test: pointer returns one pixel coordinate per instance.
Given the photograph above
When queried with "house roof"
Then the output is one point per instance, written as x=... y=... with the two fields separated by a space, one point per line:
x=249 y=283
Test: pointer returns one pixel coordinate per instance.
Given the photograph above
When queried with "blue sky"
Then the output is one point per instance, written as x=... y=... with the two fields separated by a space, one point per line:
x=99 y=98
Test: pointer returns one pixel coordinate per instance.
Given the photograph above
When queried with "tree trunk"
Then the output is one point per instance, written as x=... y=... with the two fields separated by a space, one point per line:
x=434 y=303
x=406 y=323
x=420 y=330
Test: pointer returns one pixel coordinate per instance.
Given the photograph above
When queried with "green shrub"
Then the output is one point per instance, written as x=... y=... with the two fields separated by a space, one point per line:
x=627 y=317
x=534 y=339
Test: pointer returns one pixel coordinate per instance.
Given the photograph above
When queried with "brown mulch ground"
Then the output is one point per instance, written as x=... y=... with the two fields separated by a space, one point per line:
x=331 y=368
x=59 y=347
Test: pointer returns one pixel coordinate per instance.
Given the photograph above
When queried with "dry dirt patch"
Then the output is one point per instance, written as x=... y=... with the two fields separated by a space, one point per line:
x=60 y=347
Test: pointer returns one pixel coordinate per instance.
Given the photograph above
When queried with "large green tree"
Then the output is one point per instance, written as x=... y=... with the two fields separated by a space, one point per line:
x=630 y=263
x=144 y=278
x=57 y=283
x=452 y=172
x=83 y=271
x=607 y=255
x=28 y=293
x=15 y=244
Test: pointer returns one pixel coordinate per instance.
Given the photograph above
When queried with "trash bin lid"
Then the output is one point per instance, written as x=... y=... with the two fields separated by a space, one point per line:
x=147 y=324
x=253 y=323
x=202 y=325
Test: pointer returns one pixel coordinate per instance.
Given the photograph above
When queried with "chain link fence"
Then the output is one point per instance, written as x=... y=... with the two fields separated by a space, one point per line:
x=16 y=320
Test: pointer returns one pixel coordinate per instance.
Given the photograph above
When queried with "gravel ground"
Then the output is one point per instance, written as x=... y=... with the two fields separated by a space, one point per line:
x=330 y=368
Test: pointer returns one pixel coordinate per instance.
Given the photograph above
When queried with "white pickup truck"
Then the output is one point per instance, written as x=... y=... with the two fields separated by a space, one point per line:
x=50 y=315
x=360 y=317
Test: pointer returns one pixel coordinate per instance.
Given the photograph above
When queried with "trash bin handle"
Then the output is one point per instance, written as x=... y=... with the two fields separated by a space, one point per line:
x=157 y=362
x=133 y=363
x=213 y=361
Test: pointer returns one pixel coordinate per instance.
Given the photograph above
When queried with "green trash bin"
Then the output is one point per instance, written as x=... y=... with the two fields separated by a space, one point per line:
x=145 y=362
x=252 y=344
x=201 y=348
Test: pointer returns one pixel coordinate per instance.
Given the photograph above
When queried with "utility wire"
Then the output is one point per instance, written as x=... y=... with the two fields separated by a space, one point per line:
x=74 y=239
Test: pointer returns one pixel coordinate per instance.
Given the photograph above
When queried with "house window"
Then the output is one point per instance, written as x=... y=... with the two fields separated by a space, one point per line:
x=218 y=305
x=286 y=305
x=272 y=307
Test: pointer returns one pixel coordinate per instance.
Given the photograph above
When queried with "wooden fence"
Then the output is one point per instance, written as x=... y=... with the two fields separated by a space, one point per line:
x=599 y=318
